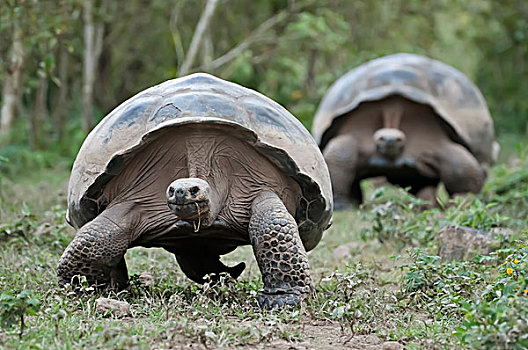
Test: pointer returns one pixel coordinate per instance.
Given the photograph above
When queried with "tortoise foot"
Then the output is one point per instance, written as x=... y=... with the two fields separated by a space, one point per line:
x=279 y=301
x=97 y=253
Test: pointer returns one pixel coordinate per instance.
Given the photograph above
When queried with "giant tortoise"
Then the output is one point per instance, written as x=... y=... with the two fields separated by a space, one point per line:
x=199 y=166
x=409 y=118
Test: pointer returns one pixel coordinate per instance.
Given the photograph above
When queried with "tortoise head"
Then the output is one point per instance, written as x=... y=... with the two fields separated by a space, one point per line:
x=192 y=200
x=389 y=142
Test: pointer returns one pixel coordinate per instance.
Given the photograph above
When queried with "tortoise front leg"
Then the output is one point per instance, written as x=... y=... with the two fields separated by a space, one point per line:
x=279 y=252
x=341 y=156
x=460 y=171
x=97 y=252
x=427 y=193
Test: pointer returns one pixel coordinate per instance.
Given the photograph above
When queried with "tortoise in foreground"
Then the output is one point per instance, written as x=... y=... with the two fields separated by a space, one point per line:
x=199 y=166
x=414 y=120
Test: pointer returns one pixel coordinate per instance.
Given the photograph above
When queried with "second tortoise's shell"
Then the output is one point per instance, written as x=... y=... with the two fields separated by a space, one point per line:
x=420 y=79
x=202 y=98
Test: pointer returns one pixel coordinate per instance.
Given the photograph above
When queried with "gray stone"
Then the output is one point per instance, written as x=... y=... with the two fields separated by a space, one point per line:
x=501 y=231
x=391 y=345
x=344 y=250
x=462 y=243
x=112 y=307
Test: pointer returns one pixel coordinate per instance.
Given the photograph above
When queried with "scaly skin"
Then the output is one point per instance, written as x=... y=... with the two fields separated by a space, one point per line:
x=279 y=252
x=97 y=252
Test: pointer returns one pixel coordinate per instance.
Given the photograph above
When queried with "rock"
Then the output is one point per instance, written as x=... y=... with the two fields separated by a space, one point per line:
x=344 y=250
x=112 y=307
x=501 y=231
x=372 y=339
x=462 y=243
x=146 y=279
x=391 y=345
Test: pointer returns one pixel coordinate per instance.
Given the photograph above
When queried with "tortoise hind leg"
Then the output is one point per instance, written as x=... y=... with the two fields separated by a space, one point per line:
x=279 y=252
x=97 y=252
x=196 y=266
x=341 y=156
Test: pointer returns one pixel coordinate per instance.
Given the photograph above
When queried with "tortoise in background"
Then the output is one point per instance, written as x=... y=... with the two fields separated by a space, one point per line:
x=409 y=118
x=199 y=166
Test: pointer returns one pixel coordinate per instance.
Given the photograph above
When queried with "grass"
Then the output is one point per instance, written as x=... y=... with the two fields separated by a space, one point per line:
x=376 y=271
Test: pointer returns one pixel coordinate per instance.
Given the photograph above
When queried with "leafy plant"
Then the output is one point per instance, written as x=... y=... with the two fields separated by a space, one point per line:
x=398 y=218
x=347 y=295
x=498 y=318
x=23 y=226
x=474 y=213
x=14 y=307
x=439 y=286
x=500 y=324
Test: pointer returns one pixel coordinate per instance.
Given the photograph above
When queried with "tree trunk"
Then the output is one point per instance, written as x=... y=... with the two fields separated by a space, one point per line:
x=37 y=118
x=12 y=89
x=310 y=86
x=93 y=44
x=176 y=36
x=207 y=49
x=62 y=103
x=258 y=35
x=196 y=41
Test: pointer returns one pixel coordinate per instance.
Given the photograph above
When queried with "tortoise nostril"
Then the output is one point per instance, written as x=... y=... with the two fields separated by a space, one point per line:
x=194 y=190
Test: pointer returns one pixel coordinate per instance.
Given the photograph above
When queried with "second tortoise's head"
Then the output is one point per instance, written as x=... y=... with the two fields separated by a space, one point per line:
x=190 y=199
x=389 y=142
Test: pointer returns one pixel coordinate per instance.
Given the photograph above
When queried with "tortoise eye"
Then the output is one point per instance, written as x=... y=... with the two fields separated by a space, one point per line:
x=194 y=190
x=171 y=191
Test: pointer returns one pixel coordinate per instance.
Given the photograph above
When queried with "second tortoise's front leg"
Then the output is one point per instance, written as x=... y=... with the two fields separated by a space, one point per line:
x=280 y=253
x=341 y=156
x=97 y=252
x=460 y=171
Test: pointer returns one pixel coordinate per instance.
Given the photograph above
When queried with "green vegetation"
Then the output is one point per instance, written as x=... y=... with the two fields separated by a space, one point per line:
x=15 y=307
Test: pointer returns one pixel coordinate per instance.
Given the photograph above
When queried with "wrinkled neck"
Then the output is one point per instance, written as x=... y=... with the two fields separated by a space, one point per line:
x=199 y=154
x=206 y=161
x=216 y=204
x=392 y=115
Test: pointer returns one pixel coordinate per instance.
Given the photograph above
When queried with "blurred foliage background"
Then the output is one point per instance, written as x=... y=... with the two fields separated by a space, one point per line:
x=64 y=64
